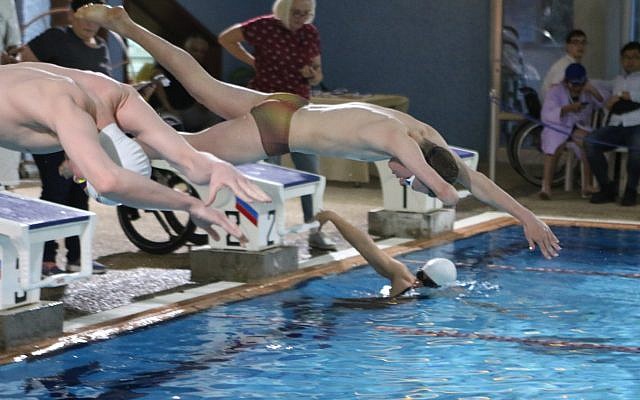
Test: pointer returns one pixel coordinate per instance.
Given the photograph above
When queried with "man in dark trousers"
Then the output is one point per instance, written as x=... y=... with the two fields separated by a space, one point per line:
x=74 y=46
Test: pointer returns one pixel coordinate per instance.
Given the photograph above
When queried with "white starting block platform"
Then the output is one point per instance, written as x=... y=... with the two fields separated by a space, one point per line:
x=264 y=224
x=25 y=225
x=401 y=198
x=408 y=213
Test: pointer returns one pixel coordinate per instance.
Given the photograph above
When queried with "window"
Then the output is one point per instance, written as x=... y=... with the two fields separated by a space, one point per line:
x=138 y=58
x=541 y=22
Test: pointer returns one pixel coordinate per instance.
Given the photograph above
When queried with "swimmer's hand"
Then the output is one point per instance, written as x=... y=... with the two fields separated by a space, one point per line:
x=325 y=216
x=537 y=232
x=204 y=217
x=225 y=174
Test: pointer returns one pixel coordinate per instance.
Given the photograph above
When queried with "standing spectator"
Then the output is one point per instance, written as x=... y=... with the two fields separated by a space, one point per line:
x=623 y=130
x=75 y=46
x=566 y=115
x=9 y=42
x=173 y=97
x=575 y=45
x=286 y=58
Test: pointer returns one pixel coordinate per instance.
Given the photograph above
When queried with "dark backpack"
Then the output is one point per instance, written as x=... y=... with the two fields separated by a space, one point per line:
x=624 y=106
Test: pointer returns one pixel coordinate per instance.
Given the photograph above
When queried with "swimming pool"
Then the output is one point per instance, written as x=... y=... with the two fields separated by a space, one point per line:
x=517 y=326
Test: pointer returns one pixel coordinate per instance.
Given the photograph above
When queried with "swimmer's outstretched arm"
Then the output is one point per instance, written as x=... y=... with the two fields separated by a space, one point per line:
x=485 y=190
x=398 y=273
x=136 y=117
x=63 y=110
x=228 y=101
x=413 y=159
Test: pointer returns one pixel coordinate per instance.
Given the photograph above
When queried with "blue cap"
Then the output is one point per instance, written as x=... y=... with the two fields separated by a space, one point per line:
x=575 y=73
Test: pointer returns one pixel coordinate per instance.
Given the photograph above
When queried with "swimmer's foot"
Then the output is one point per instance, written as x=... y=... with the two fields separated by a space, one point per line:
x=113 y=18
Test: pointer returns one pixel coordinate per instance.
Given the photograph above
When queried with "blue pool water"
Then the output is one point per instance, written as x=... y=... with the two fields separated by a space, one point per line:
x=330 y=338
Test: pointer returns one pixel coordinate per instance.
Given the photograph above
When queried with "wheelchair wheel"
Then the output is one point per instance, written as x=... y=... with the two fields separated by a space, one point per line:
x=160 y=232
x=526 y=156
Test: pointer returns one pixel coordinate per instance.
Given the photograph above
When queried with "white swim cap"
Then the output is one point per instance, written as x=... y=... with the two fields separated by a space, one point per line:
x=438 y=271
x=125 y=152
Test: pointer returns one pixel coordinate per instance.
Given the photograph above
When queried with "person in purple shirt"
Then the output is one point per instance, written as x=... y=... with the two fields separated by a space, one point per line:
x=566 y=115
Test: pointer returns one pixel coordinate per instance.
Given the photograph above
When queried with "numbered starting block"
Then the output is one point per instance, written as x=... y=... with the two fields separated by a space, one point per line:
x=409 y=213
x=401 y=198
x=25 y=225
x=264 y=224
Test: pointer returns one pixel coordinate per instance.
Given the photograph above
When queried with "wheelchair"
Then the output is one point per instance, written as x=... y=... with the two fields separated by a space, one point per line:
x=525 y=155
x=524 y=148
x=160 y=231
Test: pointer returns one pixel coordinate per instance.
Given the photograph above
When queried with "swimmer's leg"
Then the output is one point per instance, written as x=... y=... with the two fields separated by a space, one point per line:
x=226 y=100
x=236 y=141
x=135 y=116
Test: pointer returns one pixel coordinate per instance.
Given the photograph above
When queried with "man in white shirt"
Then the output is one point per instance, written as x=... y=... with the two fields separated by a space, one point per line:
x=623 y=130
x=576 y=43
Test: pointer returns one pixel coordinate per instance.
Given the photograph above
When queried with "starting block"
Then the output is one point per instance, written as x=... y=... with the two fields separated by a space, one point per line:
x=25 y=225
x=401 y=198
x=264 y=224
x=408 y=213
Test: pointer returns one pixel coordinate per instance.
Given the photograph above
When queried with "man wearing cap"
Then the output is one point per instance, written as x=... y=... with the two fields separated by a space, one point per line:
x=623 y=130
x=566 y=114
x=435 y=273
x=575 y=46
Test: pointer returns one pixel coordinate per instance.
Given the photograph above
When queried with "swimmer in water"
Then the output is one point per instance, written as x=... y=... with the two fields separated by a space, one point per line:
x=435 y=273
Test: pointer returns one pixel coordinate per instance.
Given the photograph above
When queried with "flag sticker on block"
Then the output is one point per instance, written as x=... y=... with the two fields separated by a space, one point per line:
x=249 y=212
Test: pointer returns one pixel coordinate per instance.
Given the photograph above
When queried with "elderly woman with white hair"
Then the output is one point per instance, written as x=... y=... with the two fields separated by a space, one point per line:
x=285 y=58
x=286 y=48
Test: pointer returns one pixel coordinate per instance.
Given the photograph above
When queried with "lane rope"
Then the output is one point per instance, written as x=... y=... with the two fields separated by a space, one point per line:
x=552 y=343
x=630 y=275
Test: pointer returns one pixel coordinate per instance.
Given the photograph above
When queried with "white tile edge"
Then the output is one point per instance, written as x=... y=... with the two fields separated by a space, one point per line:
x=146 y=305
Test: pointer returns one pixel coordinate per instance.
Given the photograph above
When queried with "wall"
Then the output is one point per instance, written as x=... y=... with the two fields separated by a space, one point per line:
x=603 y=21
x=435 y=52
